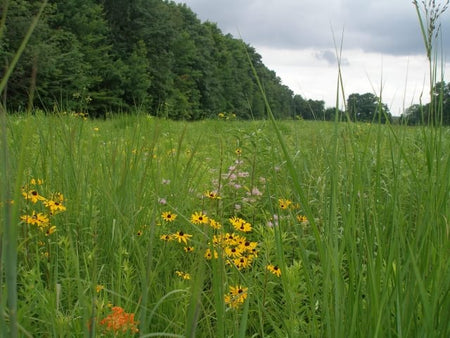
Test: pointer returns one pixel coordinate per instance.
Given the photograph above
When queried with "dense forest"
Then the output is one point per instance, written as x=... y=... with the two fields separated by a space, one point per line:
x=156 y=56
x=122 y=55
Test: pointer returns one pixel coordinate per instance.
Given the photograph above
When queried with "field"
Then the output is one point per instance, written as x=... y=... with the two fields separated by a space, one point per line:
x=143 y=226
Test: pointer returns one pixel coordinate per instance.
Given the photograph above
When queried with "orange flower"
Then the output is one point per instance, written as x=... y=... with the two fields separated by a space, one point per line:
x=119 y=321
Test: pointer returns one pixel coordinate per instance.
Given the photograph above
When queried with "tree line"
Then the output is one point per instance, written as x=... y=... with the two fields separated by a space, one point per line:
x=99 y=56
x=117 y=56
x=436 y=112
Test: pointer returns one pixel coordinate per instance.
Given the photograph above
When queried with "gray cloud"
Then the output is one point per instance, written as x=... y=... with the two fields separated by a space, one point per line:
x=380 y=26
x=330 y=58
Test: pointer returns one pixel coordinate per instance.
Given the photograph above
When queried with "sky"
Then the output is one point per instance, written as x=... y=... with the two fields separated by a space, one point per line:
x=379 y=42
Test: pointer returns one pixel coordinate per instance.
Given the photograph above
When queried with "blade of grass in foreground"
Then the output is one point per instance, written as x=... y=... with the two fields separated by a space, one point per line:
x=9 y=232
x=194 y=308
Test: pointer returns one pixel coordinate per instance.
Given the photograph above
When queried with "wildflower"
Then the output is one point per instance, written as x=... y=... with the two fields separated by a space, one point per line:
x=284 y=203
x=242 y=262
x=50 y=230
x=199 y=218
x=248 y=246
x=243 y=174
x=139 y=233
x=245 y=227
x=273 y=221
x=236 y=296
x=33 y=196
x=254 y=253
x=168 y=216
x=255 y=192
x=212 y=195
x=166 y=237
x=180 y=236
x=183 y=275
x=39 y=219
x=99 y=288
x=214 y=224
x=162 y=201
x=96 y=129
x=217 y=240
x=58 y=197
x=38 y=181
x=210 y=254
x=302 y=219
x=240 y=224
x=54 y=206
x=233 y=251
x=274 y=269
x=188 y=248
x=238 y=151
x=119 y=322
x=230 y=238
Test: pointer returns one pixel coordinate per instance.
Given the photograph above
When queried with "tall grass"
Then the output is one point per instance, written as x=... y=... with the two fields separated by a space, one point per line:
x=382 y=264
x=8 y=232
x=372 y=260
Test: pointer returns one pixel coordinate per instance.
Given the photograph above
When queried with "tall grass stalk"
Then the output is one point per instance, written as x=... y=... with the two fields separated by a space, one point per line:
x=8 y=232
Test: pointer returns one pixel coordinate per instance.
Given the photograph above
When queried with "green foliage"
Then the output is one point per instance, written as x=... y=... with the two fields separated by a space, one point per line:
x=118 y=56
x=420 y=114
x=310 y=109
x=367 y=108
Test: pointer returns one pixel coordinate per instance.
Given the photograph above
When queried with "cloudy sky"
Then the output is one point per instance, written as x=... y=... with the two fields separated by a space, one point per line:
x=382 y=46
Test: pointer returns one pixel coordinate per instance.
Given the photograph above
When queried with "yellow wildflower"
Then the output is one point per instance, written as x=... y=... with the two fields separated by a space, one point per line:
x=236 y=296
x=284 y=203
x=274 y=269
x=33 y=196
x=168 y=216
x=180 y=236
x=199 y=218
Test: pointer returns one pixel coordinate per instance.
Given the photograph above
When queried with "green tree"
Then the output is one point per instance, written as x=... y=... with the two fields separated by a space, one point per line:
x=330 y=114
x=137 y=82
x=20 y=92
x=367 y=107
x=309 y=109
x=85 y=19
x=442 y=93
x=99 y=56
x=413 y=115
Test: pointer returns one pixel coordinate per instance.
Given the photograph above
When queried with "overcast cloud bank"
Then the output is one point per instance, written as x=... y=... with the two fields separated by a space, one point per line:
x=382 y=45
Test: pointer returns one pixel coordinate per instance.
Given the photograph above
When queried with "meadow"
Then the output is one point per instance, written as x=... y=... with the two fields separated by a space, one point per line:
x=138 y=226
